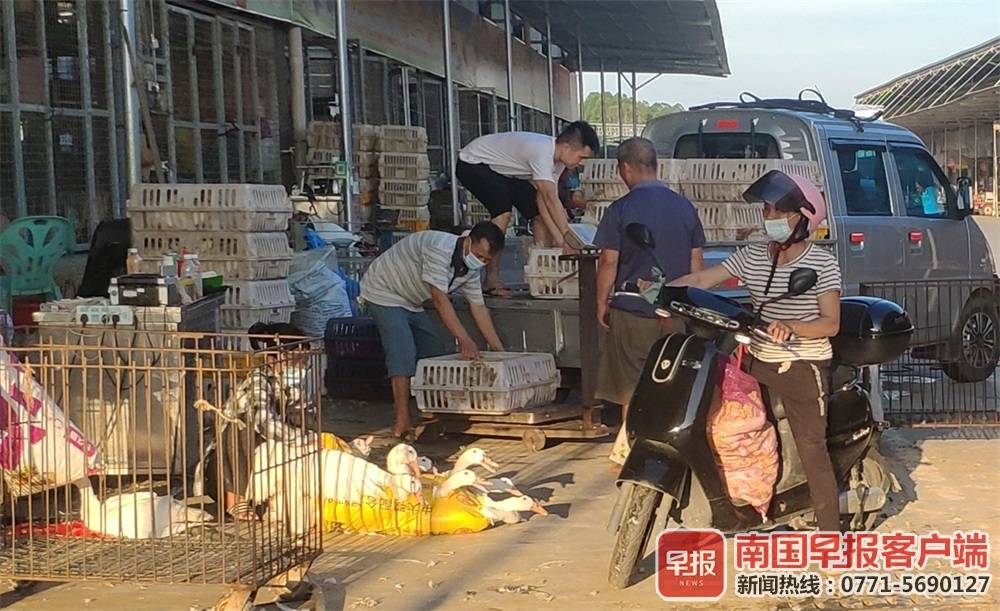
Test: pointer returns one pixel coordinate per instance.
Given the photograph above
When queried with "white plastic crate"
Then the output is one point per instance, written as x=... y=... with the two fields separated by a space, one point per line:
x=319 y=156
x=209 y=197
x=366 y=163
x=720 y=234
x=746 y=216
x=715 y=215
x=600 y=171
x=499 y=383
x=595 y=211
x=201 y=220
x=213 y=245
x=745 y=171
x=476 y=212
x=404 y=166
x=233 y=268
x=402 y=139
x=258 y=293
x=404 y=187
x=550 y=278
x=239 y=318
x=365 y=137
x=670 y=171
x=403 y=200
x=604 y=190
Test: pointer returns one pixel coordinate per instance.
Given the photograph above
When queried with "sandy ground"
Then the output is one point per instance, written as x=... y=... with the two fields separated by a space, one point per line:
x=951 y=480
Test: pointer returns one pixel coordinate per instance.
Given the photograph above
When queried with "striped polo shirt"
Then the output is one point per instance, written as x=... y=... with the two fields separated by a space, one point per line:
x=752 y=264
x=402 y=276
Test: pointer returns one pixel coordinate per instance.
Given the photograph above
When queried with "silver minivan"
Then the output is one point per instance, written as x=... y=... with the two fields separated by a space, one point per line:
x=895 y=221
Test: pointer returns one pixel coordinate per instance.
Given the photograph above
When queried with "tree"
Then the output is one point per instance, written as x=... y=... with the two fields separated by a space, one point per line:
x=644 y=111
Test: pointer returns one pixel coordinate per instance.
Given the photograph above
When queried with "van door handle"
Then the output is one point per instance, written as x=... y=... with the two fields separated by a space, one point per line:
x=916 y=236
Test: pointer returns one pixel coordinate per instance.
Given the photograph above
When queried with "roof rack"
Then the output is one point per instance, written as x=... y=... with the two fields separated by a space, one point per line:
x=800 y=104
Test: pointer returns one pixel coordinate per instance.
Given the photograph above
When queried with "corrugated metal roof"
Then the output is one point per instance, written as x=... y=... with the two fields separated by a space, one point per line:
x=961 y=88
x=669 y=36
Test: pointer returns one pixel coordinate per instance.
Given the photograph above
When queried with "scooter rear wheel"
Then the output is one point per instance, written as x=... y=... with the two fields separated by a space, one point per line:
x=634 y=531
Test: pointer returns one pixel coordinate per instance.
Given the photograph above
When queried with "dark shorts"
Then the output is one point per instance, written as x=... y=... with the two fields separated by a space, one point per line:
x=406 y=338
x=498 y=193
x=625 y=350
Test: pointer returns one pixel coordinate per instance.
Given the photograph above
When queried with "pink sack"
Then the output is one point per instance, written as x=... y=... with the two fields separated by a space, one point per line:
x=744 y=441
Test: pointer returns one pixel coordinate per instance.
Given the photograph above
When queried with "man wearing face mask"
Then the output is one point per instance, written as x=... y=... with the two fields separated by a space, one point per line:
x=428 y=265
x=678 y=239
x=795 y=363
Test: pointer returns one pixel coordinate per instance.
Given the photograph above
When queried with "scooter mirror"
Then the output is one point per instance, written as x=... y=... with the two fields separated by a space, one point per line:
x=800 y=281
x=640 y=235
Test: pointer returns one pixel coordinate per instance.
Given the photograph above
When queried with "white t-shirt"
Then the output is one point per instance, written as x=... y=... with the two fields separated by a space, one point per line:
x=525 y=155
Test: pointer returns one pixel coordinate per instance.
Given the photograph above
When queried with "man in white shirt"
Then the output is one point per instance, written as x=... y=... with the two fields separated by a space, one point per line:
x=521 y=170
x=428 y=265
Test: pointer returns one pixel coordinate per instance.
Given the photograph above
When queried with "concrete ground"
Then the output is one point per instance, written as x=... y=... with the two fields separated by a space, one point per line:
x=950 y=479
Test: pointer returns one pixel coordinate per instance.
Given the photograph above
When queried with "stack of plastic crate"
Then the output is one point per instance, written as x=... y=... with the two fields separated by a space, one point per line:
x=237 y=230
x=716 y=186
x=602 y=185
x=404 y=170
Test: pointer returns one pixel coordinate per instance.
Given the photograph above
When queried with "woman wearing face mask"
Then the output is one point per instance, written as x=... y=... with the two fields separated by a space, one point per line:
x=795 y=363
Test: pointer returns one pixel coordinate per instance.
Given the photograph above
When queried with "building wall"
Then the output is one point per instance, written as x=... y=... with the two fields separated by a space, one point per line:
x=412 y=32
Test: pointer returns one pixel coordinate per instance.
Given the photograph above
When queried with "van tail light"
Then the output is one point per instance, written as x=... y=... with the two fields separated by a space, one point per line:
x=857 y=238
x=916 y=236
x=727 y=124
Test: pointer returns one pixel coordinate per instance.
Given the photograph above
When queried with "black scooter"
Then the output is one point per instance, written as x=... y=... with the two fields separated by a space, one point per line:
x=671 y=463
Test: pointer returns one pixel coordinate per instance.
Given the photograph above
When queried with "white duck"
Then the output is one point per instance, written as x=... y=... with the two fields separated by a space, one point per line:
x=509 y=510
x=137 y=515
x=402 y=465
x=474 y=457
x=457 y=480
x=502 y=485
x=426 y=465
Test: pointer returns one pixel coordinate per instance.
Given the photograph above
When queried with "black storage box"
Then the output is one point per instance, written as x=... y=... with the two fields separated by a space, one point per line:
x=872 y=331
x=355 y=366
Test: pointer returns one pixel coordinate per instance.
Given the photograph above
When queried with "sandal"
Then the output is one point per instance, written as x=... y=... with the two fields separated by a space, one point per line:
x=243 y=511
x=500 y=292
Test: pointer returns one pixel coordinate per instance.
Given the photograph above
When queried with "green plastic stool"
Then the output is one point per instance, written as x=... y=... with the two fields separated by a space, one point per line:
x=30 y=247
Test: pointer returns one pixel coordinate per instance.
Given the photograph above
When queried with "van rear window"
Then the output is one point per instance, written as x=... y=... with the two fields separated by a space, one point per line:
x=730 y=145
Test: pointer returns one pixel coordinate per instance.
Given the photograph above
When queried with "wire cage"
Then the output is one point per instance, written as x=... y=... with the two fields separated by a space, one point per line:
x=159 y=457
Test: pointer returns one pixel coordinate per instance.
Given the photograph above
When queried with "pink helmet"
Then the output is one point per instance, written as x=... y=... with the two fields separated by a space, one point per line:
x=790 y=193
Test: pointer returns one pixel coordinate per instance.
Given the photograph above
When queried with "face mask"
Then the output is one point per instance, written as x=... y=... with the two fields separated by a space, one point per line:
x=473 y=262
x=777 y=229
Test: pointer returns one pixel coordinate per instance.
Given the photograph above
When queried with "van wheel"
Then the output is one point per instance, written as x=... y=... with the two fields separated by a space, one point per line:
x=977 y=341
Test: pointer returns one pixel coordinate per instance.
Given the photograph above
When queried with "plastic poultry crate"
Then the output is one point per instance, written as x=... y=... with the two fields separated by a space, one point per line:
x=404 y=166
x=209 y=197
x=604 y=190
x=412 y=219
x=403 y=200
x=498 y=383
x=234 y=268
x=402 y=139
x=204 y=220
x=595 y=211
x=745 y=171
x=550 y=278
x=404 y=187
x=213 y=245
x=258 y=293
x=353 y=338
x=240 y=318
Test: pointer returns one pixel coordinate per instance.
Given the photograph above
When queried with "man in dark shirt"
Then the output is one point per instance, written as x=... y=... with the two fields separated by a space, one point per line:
x=631 y=324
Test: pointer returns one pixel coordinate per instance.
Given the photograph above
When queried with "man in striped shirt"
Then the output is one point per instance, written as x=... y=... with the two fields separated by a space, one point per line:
x=428 y=265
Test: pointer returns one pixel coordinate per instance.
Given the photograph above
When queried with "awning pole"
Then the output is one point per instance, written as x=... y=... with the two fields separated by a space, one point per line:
x=548 y=63
x=635 y=114
x=510 y=63
x=345 y=111
x=579 y=71
x=296 y=65
x=604 y=119
x=456 y=213
x=620 y=109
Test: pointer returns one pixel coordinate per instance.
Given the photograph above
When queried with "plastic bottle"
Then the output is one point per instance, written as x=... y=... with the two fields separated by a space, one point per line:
x=168 y=266
x=191 y=276
x=133 y=264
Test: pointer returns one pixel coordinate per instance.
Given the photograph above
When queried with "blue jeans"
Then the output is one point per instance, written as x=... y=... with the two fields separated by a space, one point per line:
x=406 y=337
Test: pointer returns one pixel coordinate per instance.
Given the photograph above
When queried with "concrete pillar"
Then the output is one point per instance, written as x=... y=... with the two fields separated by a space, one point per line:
x=450 y=115
x=296 y=64
x=346 y=121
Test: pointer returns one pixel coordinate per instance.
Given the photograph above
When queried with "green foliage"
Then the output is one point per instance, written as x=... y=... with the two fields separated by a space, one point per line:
x=644 y=110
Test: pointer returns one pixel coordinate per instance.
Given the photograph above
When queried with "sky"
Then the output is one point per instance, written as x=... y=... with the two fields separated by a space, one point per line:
x=841 y=47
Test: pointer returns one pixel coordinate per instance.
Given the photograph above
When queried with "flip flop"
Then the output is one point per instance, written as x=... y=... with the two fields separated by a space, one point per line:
x=499 y=292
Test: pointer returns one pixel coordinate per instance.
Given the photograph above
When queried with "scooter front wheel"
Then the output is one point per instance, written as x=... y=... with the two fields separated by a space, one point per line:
x=634 y=531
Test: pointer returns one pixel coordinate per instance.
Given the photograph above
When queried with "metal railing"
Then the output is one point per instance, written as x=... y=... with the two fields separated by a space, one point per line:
x=949 y=374
x=158 y=457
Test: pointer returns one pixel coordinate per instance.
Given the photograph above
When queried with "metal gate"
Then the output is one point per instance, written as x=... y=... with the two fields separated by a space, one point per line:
x=949 y=375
